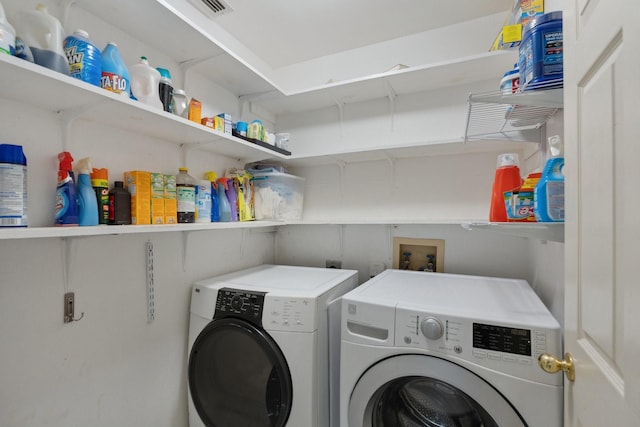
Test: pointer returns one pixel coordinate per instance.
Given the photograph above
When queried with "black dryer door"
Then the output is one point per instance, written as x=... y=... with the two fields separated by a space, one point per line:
x=238 y=376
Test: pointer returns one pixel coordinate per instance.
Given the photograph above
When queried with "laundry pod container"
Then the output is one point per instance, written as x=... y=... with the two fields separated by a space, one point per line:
x=541 y=52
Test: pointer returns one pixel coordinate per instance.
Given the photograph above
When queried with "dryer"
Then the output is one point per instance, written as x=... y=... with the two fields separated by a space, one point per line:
x=426 y=349
x=263 y=346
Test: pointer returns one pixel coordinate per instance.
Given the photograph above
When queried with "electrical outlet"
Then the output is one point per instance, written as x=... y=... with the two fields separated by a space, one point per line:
x=331 y=263
x=418 y=254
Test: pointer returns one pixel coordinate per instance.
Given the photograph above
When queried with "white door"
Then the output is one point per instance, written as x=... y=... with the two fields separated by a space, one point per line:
x=602 y=242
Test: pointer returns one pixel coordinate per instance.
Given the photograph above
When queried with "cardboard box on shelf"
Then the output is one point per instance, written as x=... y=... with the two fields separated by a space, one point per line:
x=138 y=183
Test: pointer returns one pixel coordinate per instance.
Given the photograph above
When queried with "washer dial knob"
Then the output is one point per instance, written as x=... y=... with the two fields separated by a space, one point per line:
x=431 y=328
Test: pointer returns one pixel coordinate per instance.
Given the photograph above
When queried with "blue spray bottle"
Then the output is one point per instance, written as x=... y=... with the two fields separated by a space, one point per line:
x=225 y=207
x=87 y=201
x=66 y=199
x=232 y=196
x=215 y=204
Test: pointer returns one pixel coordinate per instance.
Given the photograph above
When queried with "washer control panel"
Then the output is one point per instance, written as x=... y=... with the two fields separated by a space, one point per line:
x=240 y=303
x=508 y=348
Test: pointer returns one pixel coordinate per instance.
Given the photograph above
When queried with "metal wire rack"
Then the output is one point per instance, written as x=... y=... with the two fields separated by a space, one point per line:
x=513 y=116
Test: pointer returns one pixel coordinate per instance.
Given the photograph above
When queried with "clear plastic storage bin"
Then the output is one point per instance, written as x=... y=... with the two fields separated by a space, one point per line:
x=278 y=196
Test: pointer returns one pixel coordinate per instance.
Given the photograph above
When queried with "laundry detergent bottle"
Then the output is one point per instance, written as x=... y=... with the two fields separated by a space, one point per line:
x=85 y=59
x=87 y=201
x=43 y=35
x=507 y=177
x=115 y=74
x=145 y=82
x=548 y=195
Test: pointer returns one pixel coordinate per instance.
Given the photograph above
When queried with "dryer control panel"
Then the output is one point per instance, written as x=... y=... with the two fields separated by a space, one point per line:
x=240 y=303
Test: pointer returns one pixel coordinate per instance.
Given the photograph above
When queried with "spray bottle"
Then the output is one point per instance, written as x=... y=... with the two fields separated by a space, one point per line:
x=215 y=204
x=232 y=197
x=225 y=206
x=87 y=202
x=66 y=199
x=548 y=195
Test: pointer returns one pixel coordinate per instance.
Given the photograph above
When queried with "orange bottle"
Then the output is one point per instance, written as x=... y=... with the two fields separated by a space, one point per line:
x=507 y=178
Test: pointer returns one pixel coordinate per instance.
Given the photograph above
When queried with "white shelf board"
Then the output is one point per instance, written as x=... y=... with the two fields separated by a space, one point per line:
x=105 y=230
x=418 y=149
x=337 y=221
x=43 y=88
x=427 y=77
x=553 y=231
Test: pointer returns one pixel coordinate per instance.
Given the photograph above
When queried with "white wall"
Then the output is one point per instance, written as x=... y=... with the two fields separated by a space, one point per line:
x=113 y=368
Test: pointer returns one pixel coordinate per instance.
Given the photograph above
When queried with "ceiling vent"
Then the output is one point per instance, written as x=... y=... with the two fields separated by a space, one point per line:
x=212 y=8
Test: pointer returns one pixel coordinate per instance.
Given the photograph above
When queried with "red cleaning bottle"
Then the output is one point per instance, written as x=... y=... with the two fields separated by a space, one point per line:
x=507 y=178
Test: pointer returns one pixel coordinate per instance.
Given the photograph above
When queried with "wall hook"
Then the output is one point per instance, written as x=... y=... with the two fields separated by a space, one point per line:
x=69 y=308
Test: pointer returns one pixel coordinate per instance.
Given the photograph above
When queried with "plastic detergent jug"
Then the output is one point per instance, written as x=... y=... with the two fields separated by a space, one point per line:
x=548 y=195
x=541 y=52
x=85 y=59
x=165 y=87
x=87 y=202
x=144 y=83
x=13 y=186
x=66 y=198
x=115 y=75
x=7 y=34
x=507 y=178
x=43 y=35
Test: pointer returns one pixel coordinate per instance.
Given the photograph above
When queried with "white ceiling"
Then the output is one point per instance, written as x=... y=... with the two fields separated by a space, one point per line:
x=285 y=32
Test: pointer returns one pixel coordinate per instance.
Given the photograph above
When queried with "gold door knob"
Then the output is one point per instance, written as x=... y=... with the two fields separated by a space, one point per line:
x=552 y=365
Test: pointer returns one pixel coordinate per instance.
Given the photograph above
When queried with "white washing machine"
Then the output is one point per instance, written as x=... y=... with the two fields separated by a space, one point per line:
x=433 y=349
x=263 y=347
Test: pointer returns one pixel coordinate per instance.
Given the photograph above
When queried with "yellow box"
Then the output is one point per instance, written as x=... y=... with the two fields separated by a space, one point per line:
x=157 y=198
x=170 y=200
x=195 y=110
x=138 y=183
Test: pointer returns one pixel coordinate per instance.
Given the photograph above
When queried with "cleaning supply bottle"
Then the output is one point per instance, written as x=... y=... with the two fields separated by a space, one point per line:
x=215 y=204
x=7 y=34
x=119 y=205
x=225 y=206
x=232 y=197
x=87 y=201
x=84 y=57
x=13 y=186
x=507 y=177
x=66 y=198
x=115 y=75
x=203 y=200
x=100 y=184
x=144 y=83
x=43 y=35
x=548 y=195
x=186 y=189
x=165 y=87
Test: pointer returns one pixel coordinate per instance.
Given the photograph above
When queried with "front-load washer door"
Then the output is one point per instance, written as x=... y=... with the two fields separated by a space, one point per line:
x=238 y=376
x=425 y=391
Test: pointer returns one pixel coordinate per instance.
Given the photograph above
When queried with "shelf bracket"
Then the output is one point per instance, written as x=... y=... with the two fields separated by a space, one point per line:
x=392 y=171
x=188 y=64
x=65 y=5
x=340 y=106
x=391 y=94
x=68 y=117
x=185 y=249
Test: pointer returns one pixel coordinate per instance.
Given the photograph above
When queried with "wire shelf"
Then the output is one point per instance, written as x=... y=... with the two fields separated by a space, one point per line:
x=516 y=117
